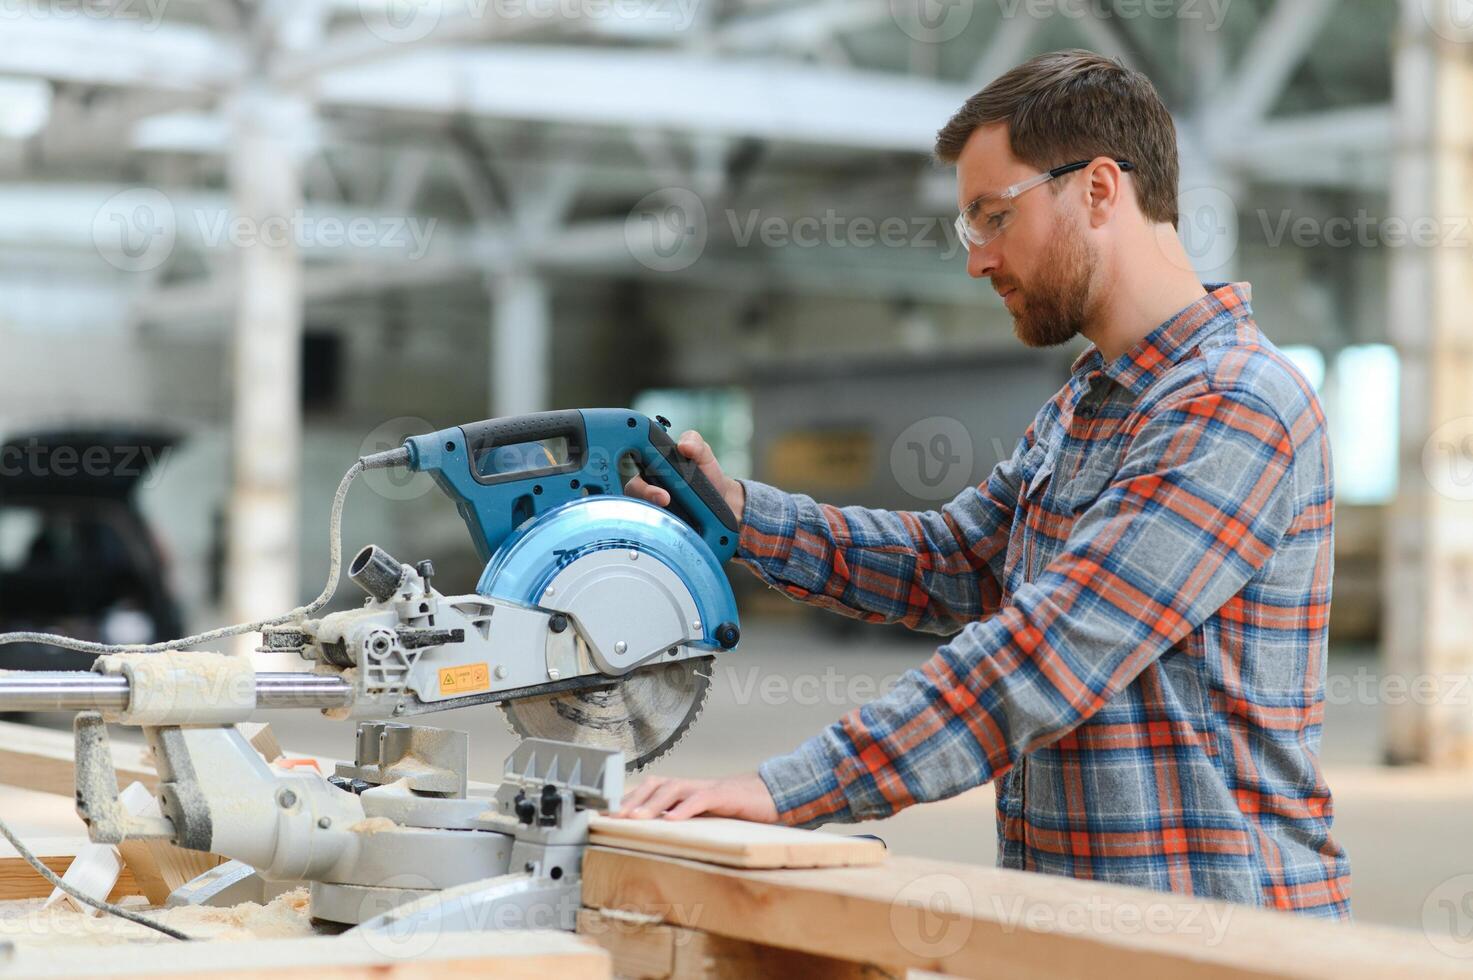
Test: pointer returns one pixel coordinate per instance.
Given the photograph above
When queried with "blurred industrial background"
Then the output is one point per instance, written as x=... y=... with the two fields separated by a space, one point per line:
x=249 y=240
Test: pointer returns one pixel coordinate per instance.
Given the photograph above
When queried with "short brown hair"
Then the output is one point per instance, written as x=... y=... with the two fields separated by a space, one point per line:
x=1077 y=105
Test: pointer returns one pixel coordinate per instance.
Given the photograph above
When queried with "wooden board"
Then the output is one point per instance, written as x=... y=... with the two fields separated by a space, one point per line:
x=644 y=951
x=19 y=880
x=262 y=739
x=448 y=956
x=42 y=759
x=159 y=867
x=987 y=922
x=736 y=843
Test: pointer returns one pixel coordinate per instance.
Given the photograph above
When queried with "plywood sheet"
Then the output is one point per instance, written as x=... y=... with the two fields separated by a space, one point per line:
x=736 y=843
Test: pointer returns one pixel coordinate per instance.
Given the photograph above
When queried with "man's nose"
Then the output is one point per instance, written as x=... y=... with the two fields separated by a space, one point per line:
x=982 y=260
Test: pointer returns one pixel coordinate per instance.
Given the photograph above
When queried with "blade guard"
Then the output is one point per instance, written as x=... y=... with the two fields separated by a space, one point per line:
x=532 y=556
x=502 y=473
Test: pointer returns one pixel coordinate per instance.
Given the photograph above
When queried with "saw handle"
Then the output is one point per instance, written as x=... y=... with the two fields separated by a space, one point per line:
x=468 y=463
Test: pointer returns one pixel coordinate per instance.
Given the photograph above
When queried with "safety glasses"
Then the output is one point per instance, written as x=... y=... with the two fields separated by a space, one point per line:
x=989 y=216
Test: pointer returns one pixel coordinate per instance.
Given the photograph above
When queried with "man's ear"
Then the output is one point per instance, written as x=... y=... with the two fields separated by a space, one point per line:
x=1104 y=185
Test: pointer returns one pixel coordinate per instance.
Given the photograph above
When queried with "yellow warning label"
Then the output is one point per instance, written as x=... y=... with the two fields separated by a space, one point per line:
x=466 y=679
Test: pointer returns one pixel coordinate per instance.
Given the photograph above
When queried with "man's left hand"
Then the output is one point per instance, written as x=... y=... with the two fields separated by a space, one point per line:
x=744 y=797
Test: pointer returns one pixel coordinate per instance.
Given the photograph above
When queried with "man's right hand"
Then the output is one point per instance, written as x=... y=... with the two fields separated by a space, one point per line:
x=693 y=447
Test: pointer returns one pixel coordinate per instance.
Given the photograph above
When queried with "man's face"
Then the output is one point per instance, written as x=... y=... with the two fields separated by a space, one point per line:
x=1043 y=263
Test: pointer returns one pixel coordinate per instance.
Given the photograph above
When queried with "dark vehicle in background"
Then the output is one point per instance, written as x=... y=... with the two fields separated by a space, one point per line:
x=76 y=555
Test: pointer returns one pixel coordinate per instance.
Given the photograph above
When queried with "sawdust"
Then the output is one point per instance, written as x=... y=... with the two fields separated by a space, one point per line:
x=630 y=916
x=350 y=676
x=372 y=825
x=287 y=916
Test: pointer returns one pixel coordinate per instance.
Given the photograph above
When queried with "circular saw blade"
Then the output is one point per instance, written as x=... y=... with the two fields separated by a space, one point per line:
x=644 y=714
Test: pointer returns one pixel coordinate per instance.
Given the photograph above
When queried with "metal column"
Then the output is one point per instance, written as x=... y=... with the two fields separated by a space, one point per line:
x=266 y=414
x=521 y=343
x=1429 y=537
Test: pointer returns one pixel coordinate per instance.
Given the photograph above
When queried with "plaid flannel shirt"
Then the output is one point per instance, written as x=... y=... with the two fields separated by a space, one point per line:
x=1142 y=592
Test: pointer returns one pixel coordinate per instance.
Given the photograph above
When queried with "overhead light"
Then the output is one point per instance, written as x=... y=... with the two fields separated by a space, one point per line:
x=25 y=106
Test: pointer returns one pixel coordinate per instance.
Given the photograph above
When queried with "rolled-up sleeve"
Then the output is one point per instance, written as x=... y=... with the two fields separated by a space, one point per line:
x=1200 y=502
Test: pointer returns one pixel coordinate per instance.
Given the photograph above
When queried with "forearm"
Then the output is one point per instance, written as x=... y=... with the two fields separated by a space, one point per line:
x=959 y=721
x=929 y=571
x=995 y=692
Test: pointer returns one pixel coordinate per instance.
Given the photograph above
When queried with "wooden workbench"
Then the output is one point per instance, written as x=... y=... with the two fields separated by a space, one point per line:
x=656 y=916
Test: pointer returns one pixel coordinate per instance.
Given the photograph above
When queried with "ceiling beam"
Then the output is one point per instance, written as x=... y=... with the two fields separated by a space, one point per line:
x=1270 y=58
x=120 y=52
x=592 y=86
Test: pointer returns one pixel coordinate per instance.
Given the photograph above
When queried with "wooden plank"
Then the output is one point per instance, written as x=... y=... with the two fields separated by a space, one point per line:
x=42 y=759
x=262 y=739
x=18 y=880
x=986 y=922
x=159 y=867
x=519 y=955
x=736 y=843
x=640 y=950
x=654 y=951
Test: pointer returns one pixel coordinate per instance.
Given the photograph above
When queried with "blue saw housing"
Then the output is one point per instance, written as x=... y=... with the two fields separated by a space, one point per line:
x=540 y=491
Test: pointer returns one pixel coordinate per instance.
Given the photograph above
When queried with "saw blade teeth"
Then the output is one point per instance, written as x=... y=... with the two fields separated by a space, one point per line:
x=567 y=716
x=678 y=736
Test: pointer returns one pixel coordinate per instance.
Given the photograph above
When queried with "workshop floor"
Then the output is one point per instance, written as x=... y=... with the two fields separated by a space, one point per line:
x=1406 y=831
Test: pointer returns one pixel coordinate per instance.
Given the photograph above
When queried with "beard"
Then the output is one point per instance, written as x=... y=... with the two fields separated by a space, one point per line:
x=1055 y=309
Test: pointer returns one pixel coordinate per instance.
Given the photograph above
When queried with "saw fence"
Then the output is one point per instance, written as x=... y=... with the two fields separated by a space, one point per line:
x=716 y=898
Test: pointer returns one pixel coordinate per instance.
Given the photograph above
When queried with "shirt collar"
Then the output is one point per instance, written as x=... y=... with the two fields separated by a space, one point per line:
x=1224 y=305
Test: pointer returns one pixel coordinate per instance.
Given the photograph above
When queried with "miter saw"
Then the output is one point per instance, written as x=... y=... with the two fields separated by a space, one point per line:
x=597 y=616
x=593 y=626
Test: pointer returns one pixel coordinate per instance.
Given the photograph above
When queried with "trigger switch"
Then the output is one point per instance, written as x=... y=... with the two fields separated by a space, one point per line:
x=664 y=422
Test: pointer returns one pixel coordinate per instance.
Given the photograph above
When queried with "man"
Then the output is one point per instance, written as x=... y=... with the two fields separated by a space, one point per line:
x=1142 y=589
